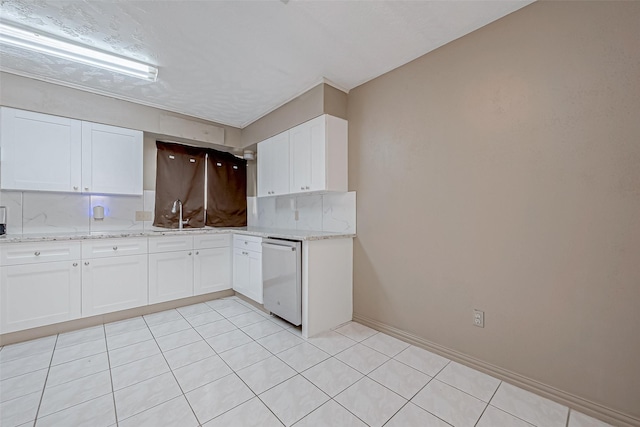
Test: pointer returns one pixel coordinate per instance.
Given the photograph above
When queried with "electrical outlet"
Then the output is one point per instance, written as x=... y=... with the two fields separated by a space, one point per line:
x=143 y=216
x=478 y=318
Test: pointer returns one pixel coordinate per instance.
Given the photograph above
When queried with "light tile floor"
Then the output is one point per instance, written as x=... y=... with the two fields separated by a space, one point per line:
x=224 y=363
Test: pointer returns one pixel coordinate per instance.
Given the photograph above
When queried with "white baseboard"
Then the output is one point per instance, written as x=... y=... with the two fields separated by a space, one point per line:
x=585 y=406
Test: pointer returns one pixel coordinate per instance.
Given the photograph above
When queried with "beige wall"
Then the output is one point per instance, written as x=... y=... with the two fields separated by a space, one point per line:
x=35 y=95
x=335 y=102
x=502 y=172
x=316 y=101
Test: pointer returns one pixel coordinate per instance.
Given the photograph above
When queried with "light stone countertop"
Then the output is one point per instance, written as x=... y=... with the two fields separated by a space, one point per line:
x=251 y=231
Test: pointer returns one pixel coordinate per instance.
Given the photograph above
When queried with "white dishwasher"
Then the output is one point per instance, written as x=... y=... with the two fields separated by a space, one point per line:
x=282 y=278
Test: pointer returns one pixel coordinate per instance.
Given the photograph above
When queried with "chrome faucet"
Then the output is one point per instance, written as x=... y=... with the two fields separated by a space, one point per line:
x=177 y=205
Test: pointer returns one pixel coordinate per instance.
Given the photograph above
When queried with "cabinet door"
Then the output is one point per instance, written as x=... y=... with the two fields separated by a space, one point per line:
x=39 y=152
x=241 y=271
x=247 y=274
x=170 y=276
x=112 y=284
x=264 y=169
x=111 y=159
x=255 y=279
x=39 y=294
x=307 y=152
x=280 y=164
x=273 y=165
x=211 y=270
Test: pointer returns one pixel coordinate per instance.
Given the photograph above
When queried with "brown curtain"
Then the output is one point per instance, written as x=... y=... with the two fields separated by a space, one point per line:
x=179 y=175
x=226 y=190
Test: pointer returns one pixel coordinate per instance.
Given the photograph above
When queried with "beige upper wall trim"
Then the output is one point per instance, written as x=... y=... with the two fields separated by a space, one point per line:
x=44 y=97
x=321 y=99
x=298 y=110
x=335 y=102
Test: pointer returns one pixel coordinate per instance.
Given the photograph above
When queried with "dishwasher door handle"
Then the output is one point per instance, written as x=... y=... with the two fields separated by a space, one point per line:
x=279 y=247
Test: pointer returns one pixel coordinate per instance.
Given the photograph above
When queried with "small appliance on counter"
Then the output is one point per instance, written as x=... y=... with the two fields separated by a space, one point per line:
x=3 y=220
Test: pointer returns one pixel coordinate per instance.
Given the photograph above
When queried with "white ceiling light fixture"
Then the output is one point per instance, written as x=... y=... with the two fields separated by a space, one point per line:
x=48 y=45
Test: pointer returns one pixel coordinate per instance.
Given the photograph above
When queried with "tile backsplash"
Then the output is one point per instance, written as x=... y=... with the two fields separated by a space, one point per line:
x=317 y=212
x=44 y=212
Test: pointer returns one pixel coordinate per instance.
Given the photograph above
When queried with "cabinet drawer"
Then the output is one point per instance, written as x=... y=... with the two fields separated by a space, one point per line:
x=31 y=253
x=209 y=241
x=250 y=243
x=170 y=243
x=103 y=248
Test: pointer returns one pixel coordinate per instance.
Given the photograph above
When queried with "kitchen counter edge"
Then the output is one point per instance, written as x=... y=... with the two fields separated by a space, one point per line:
x=251 y=231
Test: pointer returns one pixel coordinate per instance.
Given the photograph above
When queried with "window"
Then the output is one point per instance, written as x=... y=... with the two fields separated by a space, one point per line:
x=211 y=184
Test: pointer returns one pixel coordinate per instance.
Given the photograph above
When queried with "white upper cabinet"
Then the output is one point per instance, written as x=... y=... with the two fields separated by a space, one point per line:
x=317 y=153
x=39 y=152
x=273 y=165
x=111 y=159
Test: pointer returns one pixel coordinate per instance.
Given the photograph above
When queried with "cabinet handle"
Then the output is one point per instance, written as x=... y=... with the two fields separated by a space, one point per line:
x=115 y=248
x=36 y=253
x=302 y=188
x=197 y=252
x=86 y=263
x=75 y=187
x=86 y=188
x=189 y=253
x=306 y=188
x=246 y=243
x=75 y=264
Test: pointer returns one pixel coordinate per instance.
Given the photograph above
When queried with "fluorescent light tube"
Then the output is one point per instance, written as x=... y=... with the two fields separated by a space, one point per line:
x=27 y=39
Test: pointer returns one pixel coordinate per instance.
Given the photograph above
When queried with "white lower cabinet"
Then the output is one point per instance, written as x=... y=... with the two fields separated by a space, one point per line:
x=39 y=294
x=112 y=284
x=211 y=263
x=202 y=266
x=114 y=275
x=247 y=267
x=211 y=270
x=170 y=276
x=51 y=282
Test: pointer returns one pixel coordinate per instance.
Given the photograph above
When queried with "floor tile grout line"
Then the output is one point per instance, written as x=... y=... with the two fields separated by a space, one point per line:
x=366 y=376
x=44 y=387
x=254 y=340
x=18 y=358
x=347 y=409
x=423 y=372
x=83 y=376
x=379 y=383
x=396 y=413
x=384 y=386
x=239 y=377
x=174 y=376
x=485 y=408
x=223 y=361
x=113 y=391
x=504 y=410
x=465 y=392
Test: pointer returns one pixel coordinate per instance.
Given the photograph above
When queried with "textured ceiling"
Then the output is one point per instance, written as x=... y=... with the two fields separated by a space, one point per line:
x=234 y=61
